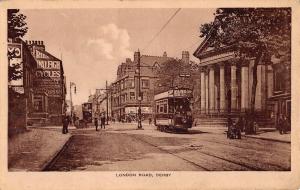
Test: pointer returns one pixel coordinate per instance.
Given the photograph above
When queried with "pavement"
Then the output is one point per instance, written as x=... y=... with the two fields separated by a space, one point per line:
x=270 y=134
x=34 y=149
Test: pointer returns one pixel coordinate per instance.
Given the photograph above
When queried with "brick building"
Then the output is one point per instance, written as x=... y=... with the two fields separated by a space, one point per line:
x=124 y=91
x=49 y=86
x=20 y=91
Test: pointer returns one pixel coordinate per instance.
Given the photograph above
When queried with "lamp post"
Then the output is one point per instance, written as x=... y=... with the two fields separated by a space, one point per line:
x=71 y=85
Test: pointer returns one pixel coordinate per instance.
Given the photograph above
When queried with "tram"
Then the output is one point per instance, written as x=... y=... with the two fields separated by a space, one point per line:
x=87 y=112
x=173 y=110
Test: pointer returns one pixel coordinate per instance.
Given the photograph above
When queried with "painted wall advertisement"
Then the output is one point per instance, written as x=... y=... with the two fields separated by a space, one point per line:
x=15 y=54
x=48 y=75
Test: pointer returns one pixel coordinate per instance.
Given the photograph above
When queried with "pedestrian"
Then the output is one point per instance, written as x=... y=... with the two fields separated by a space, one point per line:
x=240 y=123
x=102 y=121
x=74 y=118
x=229 y=128
x=65 y=122
x=150 y=120
x=281 y=124
x=285 y=124
x=96 y=123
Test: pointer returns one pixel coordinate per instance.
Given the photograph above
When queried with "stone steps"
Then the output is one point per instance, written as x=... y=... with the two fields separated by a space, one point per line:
x=222 y=121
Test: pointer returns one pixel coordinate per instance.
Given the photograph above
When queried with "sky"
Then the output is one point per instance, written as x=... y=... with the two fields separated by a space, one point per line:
x=93 y=42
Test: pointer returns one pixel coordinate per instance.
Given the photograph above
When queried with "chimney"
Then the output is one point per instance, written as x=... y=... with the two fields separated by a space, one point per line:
x=136 y=56
x=185 y=57
x=165 y=54
x=128 y=60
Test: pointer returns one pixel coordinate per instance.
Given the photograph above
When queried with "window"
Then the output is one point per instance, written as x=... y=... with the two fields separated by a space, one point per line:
x=161 y=109
x=38 y=104
x=165 y=108
x=145 y=83
x=132 y=95
x=157 y=108
x=142 y=95
x=279 y=76
x=130 y=83
x=122 y=85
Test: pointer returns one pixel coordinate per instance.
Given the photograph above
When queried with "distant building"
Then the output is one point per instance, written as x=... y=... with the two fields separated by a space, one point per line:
x=124 y=91
x=49 y=86
x=20 y=91
x=98 y=101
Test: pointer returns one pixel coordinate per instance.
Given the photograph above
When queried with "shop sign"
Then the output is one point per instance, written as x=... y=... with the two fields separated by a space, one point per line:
x=15 y=50
x=134 y=110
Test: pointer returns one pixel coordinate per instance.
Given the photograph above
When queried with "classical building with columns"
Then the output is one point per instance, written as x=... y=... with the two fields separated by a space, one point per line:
x=226 y=83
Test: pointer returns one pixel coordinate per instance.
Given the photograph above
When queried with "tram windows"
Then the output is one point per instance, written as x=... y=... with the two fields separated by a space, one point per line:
x=165 y=108
x=157 y=108
x=161 y=108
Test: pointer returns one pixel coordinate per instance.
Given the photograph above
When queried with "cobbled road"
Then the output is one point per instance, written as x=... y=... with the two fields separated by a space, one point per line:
x=124 y=148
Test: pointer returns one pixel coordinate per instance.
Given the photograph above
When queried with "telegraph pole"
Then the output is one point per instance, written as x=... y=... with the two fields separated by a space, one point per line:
x=139 y=91
x=106 y=102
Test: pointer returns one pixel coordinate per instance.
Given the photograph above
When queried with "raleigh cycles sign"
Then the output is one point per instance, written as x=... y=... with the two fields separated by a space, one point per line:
x=48 y=75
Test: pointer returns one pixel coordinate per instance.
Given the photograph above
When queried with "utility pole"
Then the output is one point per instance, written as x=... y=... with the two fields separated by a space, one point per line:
x=106 y=102
x=139 y=91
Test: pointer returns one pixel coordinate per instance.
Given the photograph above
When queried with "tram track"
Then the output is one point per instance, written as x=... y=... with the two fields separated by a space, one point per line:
x=206 y=162
x=168 y=152
x=253 y=168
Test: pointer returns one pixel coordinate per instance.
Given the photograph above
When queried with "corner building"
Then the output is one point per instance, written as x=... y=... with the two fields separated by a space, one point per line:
x=20 y=91
x=49 y=86
x=124 y=91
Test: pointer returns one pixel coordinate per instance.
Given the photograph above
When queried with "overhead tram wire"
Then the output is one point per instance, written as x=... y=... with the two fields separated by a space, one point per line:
x=163 y=27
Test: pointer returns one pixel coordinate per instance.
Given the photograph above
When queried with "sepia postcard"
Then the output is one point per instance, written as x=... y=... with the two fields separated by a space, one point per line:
x=149 y=95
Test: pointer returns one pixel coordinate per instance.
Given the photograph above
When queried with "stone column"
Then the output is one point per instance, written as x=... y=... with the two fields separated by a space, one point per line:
x=222 y=88
x=269 y=81
x=233 y=87
x=203 y=90
x=211 y=89
x=260 y=88
x=244 y=87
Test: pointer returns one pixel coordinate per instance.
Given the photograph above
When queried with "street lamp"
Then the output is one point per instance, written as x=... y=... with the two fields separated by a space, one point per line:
x=72 y=84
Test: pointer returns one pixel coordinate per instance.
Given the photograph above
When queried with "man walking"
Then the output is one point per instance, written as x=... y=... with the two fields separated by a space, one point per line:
x=103 y=121
x=65 y=122
x=96 y=123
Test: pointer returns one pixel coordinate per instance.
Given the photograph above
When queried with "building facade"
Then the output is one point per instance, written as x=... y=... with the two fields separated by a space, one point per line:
x=20 y=91
x=49 y=86
x=124 y=91
x=226 y=85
